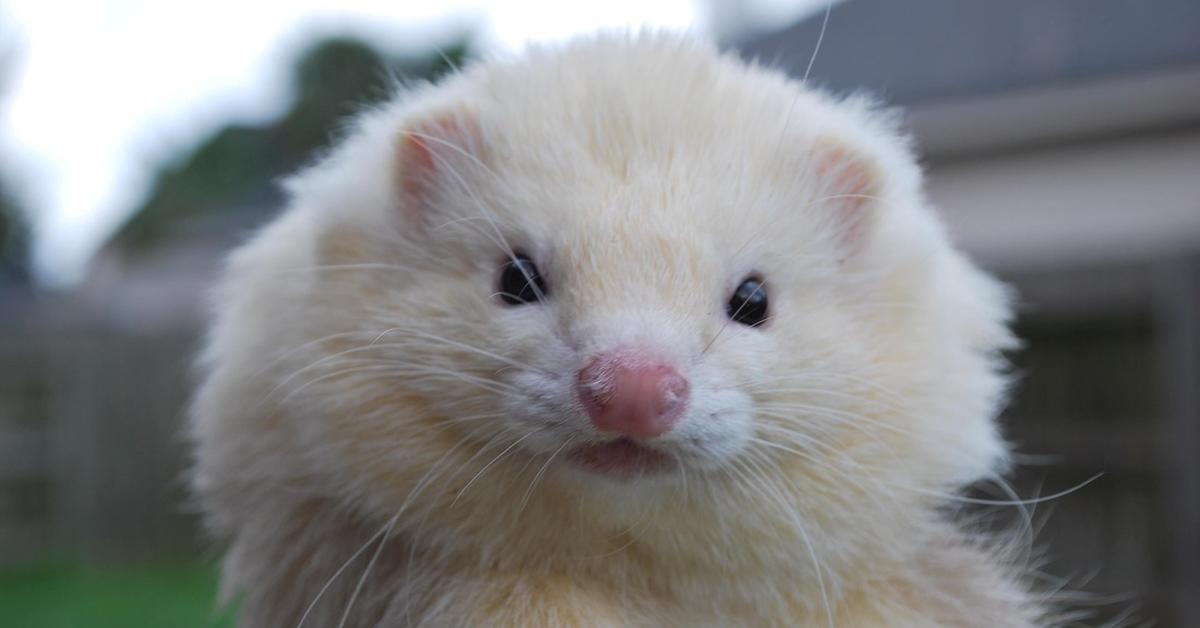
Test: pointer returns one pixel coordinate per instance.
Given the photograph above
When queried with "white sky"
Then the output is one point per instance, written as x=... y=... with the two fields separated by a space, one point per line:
x=105 y=90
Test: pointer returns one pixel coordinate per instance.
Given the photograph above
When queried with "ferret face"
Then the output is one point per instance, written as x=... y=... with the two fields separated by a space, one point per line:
x=636 y=313
x=611 y=281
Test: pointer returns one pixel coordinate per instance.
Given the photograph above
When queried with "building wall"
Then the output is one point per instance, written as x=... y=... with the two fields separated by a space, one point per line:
x=1101 y=242
x=1094 y=202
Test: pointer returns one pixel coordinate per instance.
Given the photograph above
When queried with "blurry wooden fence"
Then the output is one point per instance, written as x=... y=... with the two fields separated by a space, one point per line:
x=91 y=448
x=1108 y=383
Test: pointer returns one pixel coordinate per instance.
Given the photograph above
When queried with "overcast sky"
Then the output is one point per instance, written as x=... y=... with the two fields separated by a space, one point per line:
x=102 y=91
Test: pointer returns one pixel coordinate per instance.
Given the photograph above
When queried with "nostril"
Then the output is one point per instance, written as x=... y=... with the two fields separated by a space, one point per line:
x=672 y=393
x=595 y=384
x=631 y=395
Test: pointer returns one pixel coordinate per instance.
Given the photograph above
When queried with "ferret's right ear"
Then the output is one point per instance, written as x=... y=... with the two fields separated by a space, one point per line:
x=431 y=154
x=851 y=184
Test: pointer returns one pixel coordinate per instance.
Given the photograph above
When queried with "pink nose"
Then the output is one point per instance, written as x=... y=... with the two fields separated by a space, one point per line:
x=631 y=395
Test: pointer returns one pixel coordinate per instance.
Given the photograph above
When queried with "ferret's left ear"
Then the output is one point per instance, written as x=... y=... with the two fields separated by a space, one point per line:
x=849 y=184
x=431 y=155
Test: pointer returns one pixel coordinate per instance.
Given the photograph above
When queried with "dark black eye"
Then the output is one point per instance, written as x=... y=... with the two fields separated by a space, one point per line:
x=748 y=305
x=520 y=281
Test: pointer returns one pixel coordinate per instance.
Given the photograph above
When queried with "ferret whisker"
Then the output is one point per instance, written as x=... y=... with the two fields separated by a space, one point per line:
x=294 y=350
x=835 y=377
x=448 y=168
x=465 y=346
x=758 y=288
x=791 y=513
x=465 y=153
x=1000 y=502
x=835 y=197
x=342 y=267
x=813 y=406
x=820 y=39
x=817 y=566
x=333 y=375
x=826 y=392
x=427 y=480
x=780 y=410
x=421 y=370
x=520 y=472
x=489 y=465
x=1026 y=513
x=468 y=426
x=813 y=260
x=683 y=474
x=454 y=420
x=632 y=531
x=816 y=461
x=867 y=472
x=827 y=426
x=538 y=476
x=328 y=583
x=809 y=414
x=367 y=571
x=491 y=221
x=324 y=360
x=456 y=221
x=410 y=370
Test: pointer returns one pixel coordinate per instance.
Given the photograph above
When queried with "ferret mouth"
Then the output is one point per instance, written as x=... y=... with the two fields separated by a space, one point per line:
x=622 y=458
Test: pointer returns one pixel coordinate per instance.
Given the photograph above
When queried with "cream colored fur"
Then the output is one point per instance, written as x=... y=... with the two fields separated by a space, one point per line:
x=368 y=403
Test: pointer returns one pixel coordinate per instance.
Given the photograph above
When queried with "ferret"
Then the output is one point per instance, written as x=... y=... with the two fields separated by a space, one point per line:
x=622 y=331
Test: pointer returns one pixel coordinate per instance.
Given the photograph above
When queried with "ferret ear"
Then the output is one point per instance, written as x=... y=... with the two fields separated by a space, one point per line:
x=429 y=154
x=850 y=186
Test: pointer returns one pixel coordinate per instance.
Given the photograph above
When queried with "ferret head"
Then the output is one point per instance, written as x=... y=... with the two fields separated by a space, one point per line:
x=618 y=275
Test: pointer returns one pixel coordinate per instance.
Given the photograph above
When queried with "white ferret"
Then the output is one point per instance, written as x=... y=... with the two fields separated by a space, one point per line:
x=617 y=333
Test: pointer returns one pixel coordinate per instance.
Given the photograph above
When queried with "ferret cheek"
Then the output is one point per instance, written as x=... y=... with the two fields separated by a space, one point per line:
x=429 y=151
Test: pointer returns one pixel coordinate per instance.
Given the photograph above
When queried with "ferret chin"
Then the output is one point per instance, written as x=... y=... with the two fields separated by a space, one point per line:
x=622 y=332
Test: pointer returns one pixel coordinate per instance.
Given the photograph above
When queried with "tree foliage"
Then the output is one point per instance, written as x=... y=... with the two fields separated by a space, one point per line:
x=14 y=227
x=238 y=164
x=14 y=235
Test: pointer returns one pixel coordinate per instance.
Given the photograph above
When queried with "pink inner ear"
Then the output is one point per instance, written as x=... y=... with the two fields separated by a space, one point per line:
x=850 y=186
x=422 y=151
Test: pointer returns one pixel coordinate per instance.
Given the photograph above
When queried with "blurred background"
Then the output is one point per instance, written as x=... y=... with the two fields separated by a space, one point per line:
x=140 y=140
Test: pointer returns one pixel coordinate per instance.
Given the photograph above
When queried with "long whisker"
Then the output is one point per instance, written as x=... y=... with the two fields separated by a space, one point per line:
x=339 y=267
x=369 y=368
x=762 y=487
x=465 y=153
x=758 y=287
x=932 y=493
x=489 y=465
x=538 y=475
x=1002 y=502
x=323 y=360
x=309 y=344
x=366 y=572
x=483 y=208
x=820 y=571
x=311 y=605
x=408 y=331
x=820 y=39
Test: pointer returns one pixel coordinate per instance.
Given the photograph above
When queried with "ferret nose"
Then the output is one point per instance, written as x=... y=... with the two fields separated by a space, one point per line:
x=627 y=394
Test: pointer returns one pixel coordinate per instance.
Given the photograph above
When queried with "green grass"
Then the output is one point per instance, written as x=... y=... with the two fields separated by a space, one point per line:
x=176 y=596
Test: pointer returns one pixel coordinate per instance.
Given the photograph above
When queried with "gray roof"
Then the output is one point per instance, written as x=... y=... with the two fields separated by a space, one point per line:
x=915 y=52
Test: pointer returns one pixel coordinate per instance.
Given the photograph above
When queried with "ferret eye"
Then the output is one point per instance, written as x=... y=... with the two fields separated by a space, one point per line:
x=520 y=281
x=748 y=305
